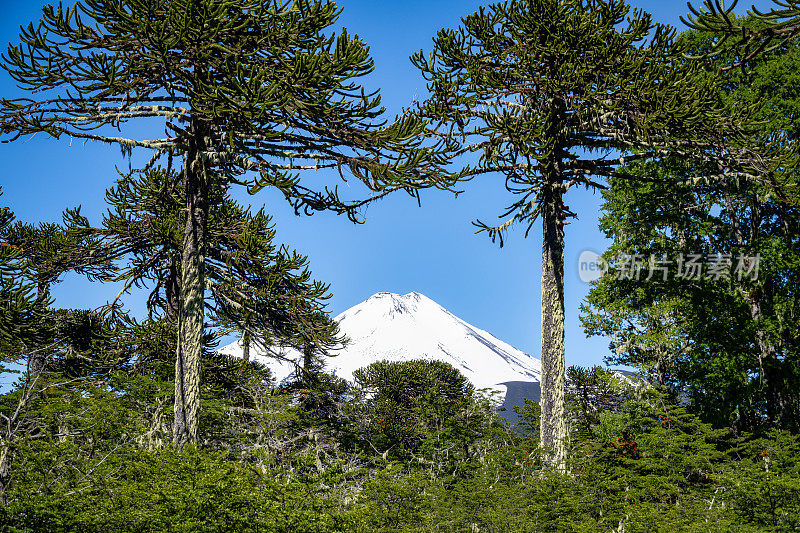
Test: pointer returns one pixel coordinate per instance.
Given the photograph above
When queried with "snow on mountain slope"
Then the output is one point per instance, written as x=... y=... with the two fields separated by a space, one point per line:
x=392 y=327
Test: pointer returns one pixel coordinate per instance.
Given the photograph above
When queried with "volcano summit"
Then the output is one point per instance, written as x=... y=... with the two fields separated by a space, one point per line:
x=395 y=327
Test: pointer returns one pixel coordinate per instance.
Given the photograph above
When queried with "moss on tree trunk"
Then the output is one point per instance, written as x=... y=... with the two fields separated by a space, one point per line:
x=553 y=425
x=190 y=323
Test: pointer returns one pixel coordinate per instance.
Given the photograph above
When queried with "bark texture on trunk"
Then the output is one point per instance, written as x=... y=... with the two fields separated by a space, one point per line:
x=191 y=308
x=553 y=425
x=553 y=429
x=172 y=291
x=245 y=346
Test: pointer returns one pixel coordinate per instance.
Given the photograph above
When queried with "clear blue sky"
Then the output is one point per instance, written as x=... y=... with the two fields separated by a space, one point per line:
x=401 y=248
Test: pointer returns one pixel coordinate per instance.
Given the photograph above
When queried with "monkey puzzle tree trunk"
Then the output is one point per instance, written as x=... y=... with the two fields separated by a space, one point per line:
x=309 y=377
x=246 y=346
x=190 y=322
x=553 y=430
x=308 y=354
x=172 y=291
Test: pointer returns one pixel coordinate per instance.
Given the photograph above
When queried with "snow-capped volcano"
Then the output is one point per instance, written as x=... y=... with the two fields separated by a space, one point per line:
x=395 y=327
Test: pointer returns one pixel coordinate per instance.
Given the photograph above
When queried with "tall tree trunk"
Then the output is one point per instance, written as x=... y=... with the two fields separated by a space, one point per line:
x=309 y=377
x=172 y=291
x=246 y=346
x=308 y=356
x=553 y=428
x=190 y=323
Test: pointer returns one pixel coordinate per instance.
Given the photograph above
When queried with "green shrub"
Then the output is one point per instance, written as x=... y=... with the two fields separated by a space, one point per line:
x=140 y=491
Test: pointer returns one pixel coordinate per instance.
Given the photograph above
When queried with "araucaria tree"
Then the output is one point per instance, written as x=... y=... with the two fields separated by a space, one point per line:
x=249 y=92
x=555 y=94
x=253 y=286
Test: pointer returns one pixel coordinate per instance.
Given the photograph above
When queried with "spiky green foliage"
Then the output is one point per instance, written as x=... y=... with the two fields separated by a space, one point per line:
x=555 y=95
x=536 y=81
x=752 y=36
x=96 y=458
x=592 y=391
x=21 y=310
x=250 y=85
x=32 y=335
x=255 y=286
x=420 y=409
x=50 y=251
x=151 y=493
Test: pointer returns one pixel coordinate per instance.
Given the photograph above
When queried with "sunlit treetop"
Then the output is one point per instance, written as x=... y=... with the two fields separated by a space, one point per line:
x=554 y=92
x=258 y=87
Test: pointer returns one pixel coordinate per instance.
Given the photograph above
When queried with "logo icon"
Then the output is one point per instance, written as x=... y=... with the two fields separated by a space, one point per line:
x=591 y=266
